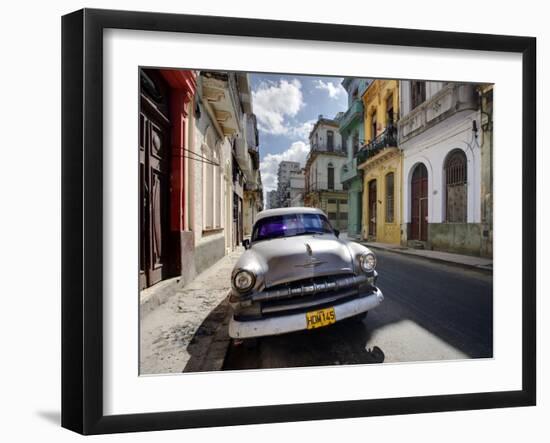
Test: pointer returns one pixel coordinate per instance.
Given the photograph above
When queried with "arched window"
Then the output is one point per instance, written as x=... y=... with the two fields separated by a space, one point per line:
x=389 y=197
x=330 y=174
x=456 y=177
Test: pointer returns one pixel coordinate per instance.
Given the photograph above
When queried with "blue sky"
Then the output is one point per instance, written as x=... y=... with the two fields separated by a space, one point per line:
x=286 y=107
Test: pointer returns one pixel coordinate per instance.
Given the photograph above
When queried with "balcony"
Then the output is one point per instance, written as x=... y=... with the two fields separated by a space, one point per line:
x=322 y=147
x=349 y=171
x=353 y=115
x=387 y=139
x=323 y=186
x=451 y=99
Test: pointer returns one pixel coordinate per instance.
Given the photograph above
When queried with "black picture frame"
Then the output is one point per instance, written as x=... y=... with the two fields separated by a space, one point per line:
x=82 y=218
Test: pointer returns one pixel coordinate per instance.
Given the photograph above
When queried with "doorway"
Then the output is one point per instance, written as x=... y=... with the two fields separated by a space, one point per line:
x=419 y=203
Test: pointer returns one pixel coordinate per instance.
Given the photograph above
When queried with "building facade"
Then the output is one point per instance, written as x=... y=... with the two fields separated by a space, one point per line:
x=323 y=185
x=286 y=168
x=190 y=172
x=297 y=188
x=352 y=131
x=441 y=135
x=380 y=160
x=272 y=199
x=166 y=104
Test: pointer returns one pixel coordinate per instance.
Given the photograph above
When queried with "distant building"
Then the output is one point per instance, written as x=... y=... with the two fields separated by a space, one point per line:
x=283 y=181
x=297 y=188
x=323 y=186
x=272 y=199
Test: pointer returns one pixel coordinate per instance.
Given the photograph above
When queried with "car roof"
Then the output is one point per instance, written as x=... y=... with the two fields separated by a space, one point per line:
x=291 y=210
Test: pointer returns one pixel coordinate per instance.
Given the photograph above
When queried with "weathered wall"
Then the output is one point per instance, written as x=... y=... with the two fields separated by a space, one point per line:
x=319 y=170
x=386 y=232
x=374 y=102
x=209 y=251
x=461 y=238
x=432 y=148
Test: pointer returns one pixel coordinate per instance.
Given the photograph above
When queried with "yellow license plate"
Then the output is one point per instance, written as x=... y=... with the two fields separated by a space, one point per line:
x=322 y=317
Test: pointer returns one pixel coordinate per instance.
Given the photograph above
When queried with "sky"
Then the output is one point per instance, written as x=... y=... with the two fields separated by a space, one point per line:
x=286 y=108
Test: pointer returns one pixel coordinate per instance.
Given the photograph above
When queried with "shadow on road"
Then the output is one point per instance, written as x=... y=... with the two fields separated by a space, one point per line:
x=343 y=343
x=208 y=347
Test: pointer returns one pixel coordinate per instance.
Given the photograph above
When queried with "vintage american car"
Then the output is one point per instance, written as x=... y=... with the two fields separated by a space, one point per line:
x=296 y=273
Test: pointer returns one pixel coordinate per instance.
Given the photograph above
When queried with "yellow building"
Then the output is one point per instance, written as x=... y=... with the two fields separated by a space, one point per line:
x=381 y=162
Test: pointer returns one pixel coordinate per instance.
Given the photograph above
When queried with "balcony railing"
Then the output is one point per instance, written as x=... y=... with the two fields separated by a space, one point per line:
x=354 y=112
x=386 y=139
x=323 y=147
x=349 y=171
x=452 y=98
x=323 y=186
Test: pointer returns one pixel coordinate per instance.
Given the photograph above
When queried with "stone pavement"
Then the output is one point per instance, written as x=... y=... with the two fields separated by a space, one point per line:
x=446 y=257
x=188 y=332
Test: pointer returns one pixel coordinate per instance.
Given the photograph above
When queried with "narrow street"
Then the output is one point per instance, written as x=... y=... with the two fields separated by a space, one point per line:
x=431 y=311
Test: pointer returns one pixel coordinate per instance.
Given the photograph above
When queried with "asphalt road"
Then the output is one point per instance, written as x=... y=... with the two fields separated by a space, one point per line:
x=431 y=311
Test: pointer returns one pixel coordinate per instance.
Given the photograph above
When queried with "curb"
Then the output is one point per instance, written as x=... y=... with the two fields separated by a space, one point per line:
x=151 y=298
x=483 y=268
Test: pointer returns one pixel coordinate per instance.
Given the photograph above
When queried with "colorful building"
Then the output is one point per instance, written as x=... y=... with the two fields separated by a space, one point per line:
x=352 y=131
x=200 y=182
x=381 y=162
x=166 y=104
x=447 y=151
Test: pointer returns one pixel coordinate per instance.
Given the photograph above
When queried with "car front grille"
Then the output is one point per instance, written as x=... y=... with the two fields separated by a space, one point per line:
x=314 y=293
x=312 y=286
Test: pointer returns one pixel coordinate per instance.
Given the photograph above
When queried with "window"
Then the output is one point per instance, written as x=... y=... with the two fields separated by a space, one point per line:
x=389 y=109
x=390 y=198
x=373 y=126
x=208 y=187
x=330 y=141
x=355 y=143
x=212 y=181
x=418 y=93
x=330 y=171
x=456 y=187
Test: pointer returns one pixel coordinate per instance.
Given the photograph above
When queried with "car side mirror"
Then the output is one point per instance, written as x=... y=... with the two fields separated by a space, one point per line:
x=246 y=243
x=336 y=233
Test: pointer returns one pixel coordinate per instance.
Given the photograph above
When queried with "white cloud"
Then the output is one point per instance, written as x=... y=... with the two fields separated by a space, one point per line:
x=334 y=90
x=297 y=152
x=302 y=130
x=275 y=101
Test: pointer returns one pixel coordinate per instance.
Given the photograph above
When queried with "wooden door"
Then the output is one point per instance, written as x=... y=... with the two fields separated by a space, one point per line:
x=419 y=203
x=154 y=196
x=372 y=208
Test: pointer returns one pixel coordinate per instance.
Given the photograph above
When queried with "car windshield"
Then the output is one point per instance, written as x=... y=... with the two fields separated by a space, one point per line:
x=289 y=225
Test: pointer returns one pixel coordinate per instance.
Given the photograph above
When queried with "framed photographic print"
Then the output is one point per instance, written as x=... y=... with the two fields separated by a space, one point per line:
x=270 y=221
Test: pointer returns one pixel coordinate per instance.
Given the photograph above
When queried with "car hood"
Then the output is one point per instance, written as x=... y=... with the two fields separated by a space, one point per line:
x=288 y=259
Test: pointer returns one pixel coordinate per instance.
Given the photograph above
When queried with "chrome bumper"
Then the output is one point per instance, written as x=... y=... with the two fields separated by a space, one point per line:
x=297 y=322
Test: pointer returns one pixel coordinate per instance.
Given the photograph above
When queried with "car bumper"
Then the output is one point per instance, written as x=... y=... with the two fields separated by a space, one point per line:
x=297 y=322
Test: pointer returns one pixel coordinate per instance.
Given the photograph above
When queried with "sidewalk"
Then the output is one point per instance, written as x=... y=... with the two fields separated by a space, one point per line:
x=188 y=332
x=446 y=257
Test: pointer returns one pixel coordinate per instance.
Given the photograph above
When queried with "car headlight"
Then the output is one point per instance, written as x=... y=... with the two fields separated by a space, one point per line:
x=244 y=281
x=368 y=262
